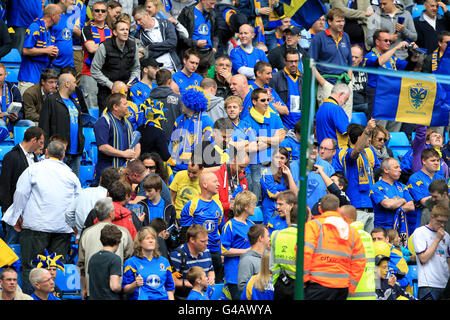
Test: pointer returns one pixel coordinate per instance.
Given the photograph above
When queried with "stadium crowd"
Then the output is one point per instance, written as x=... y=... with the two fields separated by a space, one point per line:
x=156 y=146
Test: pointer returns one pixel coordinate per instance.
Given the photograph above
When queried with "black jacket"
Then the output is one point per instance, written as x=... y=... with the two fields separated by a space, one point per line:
x=280 y=85
x=426 y=35
x=13 y=165
x=118 y=63
x=169 y=213
x=55 y=118
x=276 y=56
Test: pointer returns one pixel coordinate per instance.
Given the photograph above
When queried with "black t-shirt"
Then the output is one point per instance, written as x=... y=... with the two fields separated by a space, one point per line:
x=101 y=266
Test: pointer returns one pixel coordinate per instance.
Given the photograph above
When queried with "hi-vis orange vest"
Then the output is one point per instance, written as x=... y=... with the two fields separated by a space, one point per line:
x=334 y=253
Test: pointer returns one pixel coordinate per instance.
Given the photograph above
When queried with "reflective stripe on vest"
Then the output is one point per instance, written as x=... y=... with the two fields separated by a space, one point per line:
x=288 y=265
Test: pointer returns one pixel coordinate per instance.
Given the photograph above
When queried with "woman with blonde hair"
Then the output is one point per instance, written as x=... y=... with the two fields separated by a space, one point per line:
x=234 y=239
x=147 y=275
x=260 y=286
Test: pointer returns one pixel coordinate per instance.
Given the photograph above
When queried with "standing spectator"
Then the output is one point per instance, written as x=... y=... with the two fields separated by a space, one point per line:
x=228 y=20
x=38 y=48
x=9 y=288
x=430 y=24
x=5 y=40
x=287 y=82
x=63 y=34
x=260 y=286
x=199 y=19
x=332 y=46
x=199 y=281
x=153 y=162
x=433 y=59
x=193 y=252
x=358 y=161
x=232 y=179
x=389 y=196
x=327 y=149
x=286 y=201
x=105 y=266
x=356 y=14
x=185 y=186
x=269 y=131
x=234 y=240
x=13 y=165
x=359 y=83
x=90 y=243
x=439 y=195
x=43 y=194
x=250 y=261
x=187 y=76
x=79 y=19
x=94 y=33
x=239 y=87
x=190 y=129
x=207 y=210
x=432 y=247
x=20 y=14
x=147 y=274
x=308 y=35
x=141 y=91
x=379 y=141
x=171 y=100
x=116 y=58
x=277 y=56
x=113 y=135
x=331 y=118
x=335 y=267
x=114 y=12
x=61 y=114
x=245 y=56
x=420 y=181
x=396 y=20
x=34 y=96
x=43 y=284
x=274 y=179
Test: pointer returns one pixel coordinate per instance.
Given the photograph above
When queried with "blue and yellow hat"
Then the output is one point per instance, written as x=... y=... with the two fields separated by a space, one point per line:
x=47 y=261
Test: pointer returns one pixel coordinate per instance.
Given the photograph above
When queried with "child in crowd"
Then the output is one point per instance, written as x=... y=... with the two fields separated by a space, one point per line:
x=197 y=277
x=394 y=239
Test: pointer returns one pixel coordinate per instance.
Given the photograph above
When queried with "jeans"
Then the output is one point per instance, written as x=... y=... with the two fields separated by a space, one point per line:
x=19 y=123
x=367 y=218
x=435 y=292
x=11 y=236
x=90 y=90
x=254 y=185
x=73 y=161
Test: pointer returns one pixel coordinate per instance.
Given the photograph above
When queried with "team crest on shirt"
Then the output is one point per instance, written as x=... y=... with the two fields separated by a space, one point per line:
x=153 y=281
x=217 y=214
x=66 y=34
x=399 y=188
x=196 y=82
x=203 y=29
x=162 y=267
x=418 y=95
x=209 y=225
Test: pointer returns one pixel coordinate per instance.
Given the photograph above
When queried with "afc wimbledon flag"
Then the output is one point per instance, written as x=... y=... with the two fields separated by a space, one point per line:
x=411 y=101
x=303 y=12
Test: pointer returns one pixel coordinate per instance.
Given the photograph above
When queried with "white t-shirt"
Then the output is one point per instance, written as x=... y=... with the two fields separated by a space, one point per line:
x=435 y=272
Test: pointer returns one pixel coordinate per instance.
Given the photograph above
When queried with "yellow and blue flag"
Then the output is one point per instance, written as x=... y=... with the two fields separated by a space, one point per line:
x=411 y=101
x=303 y=12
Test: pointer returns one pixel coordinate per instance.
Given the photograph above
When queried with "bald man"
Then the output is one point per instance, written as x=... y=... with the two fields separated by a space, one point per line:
x=61 y=114
x=207 y=210
x=239 y=87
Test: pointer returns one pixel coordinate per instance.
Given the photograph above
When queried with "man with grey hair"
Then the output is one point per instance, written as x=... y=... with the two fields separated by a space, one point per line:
x=90 y=244
x=44 y=192
x=327 y=149
x=331 y=119
x=389 y=195
x=43 y=284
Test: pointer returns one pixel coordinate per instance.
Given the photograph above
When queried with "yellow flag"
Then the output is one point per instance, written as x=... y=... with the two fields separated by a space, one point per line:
x=7 y=255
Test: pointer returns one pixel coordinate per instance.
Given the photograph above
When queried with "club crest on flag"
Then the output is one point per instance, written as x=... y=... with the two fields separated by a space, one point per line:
x=418 y=96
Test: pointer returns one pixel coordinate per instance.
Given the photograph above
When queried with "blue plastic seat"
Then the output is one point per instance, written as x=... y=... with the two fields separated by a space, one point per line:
x=94 y=112
x=69 y=282
x=12 y=75
x=89 y=138
x=257 y=216
x=359 y=118
x=86 y=175
x=399 y=144
x=417 y=11
x=19 y=133
x=4 y=149
x=12 y=59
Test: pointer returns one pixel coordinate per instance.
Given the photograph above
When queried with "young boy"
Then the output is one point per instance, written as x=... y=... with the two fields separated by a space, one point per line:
x=197 y=277
x=105 y=267
x=154 y=205
x=394 y=239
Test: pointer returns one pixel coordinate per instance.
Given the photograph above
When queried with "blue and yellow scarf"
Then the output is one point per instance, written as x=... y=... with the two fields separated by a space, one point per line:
x=97 y=38
x=44 y=39
x=120 y=141
x=365 y=163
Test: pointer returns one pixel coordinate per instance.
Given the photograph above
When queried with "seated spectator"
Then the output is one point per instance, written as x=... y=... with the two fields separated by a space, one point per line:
x=105 y=267
x=9 y=288
x=308 y=35
x=199 y=281
x=260 y=286
x=327 y=150
x=245 y=56
x=33 y=97
x=216 y=108
x=234 y=240
x=286 y=201
x=439 y=195
x=154 y=205
x=292 y=142
x=222 y=75
x=52 y=263
x=274 y=179
x=154 y=280
x=43 y=284
x=188 y=76
x=140 y=91
x=432 y=60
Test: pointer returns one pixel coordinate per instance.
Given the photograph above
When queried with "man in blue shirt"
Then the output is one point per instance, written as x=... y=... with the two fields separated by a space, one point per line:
x=63 y=34
x=388 y=195
x=420 y=181
x=358 y=161
x=239 y=87
x=38 y=48
x=187 y=76
x=141 y=90
x=43 y=284
x=331 y=119
x=207 y=211
x=332 y=46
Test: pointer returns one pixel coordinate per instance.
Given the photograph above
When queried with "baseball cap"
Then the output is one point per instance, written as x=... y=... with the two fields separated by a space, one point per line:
x=379 y=258
x=150 y=62
x=293 y=29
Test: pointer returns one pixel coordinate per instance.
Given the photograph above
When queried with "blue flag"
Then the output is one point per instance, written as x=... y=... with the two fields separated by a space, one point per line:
x=411 y=101
x=303 y=12
x=401 y=225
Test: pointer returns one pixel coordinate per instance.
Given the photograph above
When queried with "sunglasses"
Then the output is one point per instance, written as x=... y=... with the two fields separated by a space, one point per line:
x=382 y=139
x=264 y=100
x=100 y=10
x=386 y=40
x=151 y=167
